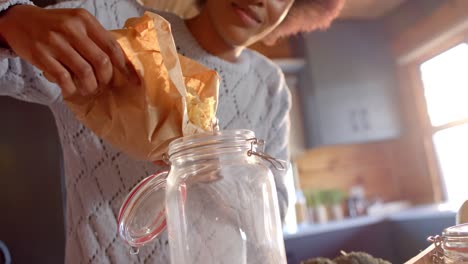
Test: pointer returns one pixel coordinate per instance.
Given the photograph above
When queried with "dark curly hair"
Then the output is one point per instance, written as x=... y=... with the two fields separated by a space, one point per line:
x=304 y=16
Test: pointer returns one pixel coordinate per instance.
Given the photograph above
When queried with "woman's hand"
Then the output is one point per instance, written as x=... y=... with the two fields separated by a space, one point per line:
x=69 y=45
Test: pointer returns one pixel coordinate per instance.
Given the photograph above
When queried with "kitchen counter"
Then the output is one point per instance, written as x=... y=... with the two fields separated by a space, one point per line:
x=314 y=229
x=413 y=213
x=424 y=211
x=395 y=236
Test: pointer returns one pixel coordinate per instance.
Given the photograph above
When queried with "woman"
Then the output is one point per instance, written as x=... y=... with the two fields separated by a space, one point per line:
x=66 y=49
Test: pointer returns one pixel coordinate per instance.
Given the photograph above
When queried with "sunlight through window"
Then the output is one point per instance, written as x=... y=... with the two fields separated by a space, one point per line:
x=452 y=151
x=445 y=79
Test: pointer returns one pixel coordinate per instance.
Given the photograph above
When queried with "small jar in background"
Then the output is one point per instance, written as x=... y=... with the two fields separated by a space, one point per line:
x=455 y=244
x=301 y=208
x=452 y=246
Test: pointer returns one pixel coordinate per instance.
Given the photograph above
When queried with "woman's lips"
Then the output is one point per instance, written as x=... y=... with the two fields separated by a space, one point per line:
x=247 y=16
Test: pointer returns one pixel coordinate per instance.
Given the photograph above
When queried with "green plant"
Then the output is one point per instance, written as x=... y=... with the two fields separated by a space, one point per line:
x=316 y=198
x=333 y=197
x=313 y=198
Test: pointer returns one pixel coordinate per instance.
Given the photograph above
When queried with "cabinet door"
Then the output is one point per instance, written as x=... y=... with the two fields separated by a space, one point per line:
x=337 y=122
x=377 y=115
x=349 y=87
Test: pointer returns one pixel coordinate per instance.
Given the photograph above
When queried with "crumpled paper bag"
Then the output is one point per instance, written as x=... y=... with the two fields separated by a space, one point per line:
x=177 y=96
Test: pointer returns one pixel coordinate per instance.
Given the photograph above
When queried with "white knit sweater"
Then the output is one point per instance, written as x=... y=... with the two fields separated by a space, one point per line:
x=252 y=95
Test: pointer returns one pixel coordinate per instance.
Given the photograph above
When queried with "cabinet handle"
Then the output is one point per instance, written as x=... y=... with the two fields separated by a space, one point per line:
x=354 y=121
x=364 y=119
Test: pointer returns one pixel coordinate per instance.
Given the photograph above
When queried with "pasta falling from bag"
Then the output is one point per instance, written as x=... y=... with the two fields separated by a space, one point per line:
x=177 y=96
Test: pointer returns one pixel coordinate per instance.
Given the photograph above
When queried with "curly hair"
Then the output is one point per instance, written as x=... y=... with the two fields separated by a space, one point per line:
x=304 y=16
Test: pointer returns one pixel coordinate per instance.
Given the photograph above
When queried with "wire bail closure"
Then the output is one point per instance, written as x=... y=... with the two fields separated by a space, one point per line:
x=215 y=125
x=259 y=144
x=438 y=254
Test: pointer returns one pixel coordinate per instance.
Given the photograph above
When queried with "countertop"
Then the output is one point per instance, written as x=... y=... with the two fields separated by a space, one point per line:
x=417 y=212
x=396 y=235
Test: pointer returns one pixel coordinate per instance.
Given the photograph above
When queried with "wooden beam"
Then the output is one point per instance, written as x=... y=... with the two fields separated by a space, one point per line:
x=417 y=150
x=440 y=30
x=368 y=9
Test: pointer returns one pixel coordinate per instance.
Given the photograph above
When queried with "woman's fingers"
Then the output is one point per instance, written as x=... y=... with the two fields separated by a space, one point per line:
x=81 y=69
x=69 y=45
x=55 y=72
x=111 y=47
x=106 y=42
x=97 y=58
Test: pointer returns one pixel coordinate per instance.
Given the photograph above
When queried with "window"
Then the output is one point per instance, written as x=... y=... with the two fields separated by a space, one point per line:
x=445 y=82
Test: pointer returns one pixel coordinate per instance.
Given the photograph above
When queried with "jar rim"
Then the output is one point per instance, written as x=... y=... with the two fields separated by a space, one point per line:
x=456 y=231
x=237 y=136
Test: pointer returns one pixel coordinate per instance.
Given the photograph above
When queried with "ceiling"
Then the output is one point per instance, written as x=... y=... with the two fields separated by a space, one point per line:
x=354 y=9
x=368 y=9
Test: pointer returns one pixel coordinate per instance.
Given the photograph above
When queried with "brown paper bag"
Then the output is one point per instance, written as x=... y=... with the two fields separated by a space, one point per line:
x=177 y=96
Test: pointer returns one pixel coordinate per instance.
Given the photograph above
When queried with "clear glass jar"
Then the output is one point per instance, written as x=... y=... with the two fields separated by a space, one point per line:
x=455 y=244
x=219 y=199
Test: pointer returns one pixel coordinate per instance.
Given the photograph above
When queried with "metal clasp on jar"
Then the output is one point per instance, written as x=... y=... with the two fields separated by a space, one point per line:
x=257 y=147
x=438 y=254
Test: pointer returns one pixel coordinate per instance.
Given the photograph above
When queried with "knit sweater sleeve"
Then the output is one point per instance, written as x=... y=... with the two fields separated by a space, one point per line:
x=278 y=135
x=21 y=80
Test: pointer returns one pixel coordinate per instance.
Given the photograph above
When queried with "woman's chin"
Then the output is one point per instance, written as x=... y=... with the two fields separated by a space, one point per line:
x=238 y=38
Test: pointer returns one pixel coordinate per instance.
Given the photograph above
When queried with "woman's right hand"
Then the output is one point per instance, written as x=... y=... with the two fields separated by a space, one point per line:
x=69 y=45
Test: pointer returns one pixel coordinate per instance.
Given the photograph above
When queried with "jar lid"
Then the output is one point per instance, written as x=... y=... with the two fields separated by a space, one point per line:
x=142 y=216
x=456 y=231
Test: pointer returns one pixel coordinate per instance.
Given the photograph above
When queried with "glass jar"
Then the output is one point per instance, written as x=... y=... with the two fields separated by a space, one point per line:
x=455 y=244
x=218 y=201
x=452 y=246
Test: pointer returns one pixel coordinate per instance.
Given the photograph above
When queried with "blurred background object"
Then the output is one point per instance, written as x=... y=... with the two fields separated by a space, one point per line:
x=5 y=256
x=378 y=125
x=462 y=215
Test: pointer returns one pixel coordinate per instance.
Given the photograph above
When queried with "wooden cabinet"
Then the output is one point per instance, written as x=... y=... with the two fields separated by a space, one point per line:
x=348 y=87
